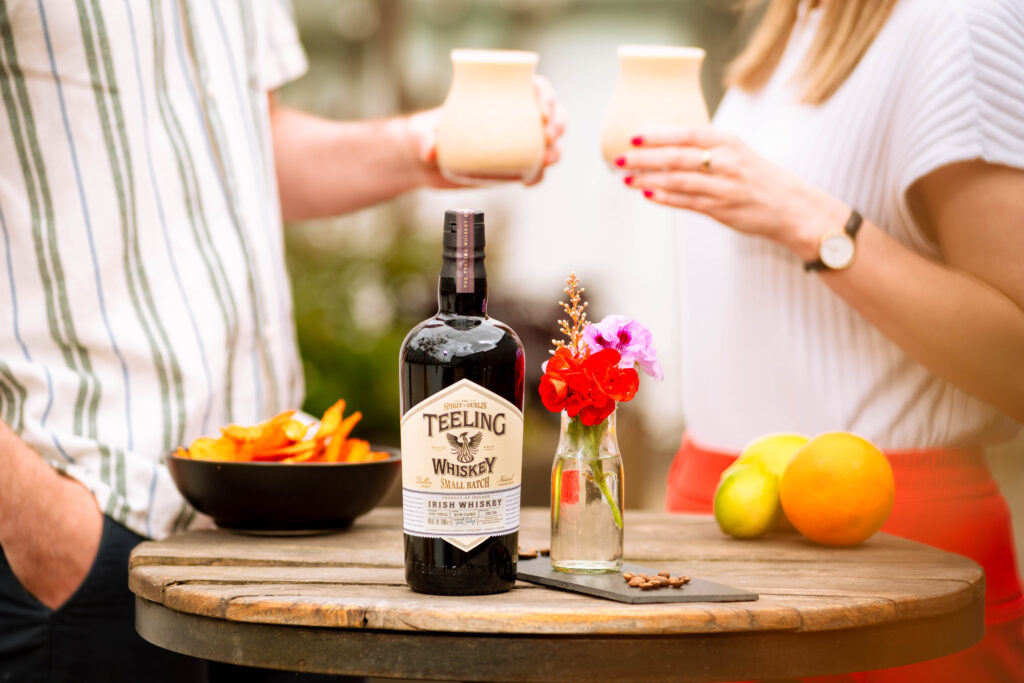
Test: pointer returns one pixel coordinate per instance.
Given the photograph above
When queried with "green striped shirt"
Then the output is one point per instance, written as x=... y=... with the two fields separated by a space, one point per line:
x=144 y=300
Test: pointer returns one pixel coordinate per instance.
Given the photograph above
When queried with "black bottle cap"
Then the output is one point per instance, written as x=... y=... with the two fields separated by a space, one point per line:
x=452 y=218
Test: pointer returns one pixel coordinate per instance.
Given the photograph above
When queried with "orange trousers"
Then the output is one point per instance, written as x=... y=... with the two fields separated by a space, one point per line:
x=945 y=498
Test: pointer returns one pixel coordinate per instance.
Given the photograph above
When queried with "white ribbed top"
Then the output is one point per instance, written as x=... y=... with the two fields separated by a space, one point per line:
x=768 y=348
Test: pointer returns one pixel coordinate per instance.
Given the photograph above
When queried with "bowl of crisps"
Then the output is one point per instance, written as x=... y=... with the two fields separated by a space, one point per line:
x=286 y=476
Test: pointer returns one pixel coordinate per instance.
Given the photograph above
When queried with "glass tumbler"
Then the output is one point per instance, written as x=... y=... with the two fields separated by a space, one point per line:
x=658 y=87
x=491 y=128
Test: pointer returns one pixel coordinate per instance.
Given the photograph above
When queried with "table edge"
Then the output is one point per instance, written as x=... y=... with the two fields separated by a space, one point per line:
x=517 y=657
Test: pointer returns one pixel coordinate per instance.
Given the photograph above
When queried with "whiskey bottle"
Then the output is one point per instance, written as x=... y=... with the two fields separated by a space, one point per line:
x=461 y=375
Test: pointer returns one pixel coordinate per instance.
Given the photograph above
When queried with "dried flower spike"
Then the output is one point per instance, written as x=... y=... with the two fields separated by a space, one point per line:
x=576 y=310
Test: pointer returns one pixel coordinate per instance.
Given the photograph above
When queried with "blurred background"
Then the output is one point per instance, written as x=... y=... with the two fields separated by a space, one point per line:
x=363 y=280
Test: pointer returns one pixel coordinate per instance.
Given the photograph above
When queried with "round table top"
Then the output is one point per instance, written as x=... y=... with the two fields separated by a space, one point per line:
x=338 y=603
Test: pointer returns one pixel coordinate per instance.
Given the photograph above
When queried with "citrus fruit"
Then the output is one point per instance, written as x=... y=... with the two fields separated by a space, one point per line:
x=838 y=489
x=747 y=501
x=774 y=451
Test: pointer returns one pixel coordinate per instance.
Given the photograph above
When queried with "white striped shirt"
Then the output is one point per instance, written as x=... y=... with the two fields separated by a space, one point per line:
x=145 y=300
x=768 y=348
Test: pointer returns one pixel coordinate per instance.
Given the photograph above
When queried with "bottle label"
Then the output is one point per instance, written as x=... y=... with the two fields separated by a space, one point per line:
x=465 y=266
x=462 y=463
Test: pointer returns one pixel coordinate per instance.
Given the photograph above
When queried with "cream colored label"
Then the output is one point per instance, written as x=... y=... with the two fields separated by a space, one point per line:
x=462 y=463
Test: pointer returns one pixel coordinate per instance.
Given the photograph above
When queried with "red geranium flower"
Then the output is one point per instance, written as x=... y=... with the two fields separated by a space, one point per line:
x=588 y=386
x=554 y=383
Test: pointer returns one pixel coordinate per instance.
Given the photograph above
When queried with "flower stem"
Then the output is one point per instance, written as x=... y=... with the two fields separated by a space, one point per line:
x=601 y=479
x=589 y=437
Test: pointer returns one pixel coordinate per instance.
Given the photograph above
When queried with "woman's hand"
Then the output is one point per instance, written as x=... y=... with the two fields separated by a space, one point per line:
x=714 y=173
x=422 y=129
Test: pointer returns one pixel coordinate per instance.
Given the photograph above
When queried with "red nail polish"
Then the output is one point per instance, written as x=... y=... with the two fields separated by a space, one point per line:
x=648 y=193
x=628 y=180
x=620 y=161
x=637 y=141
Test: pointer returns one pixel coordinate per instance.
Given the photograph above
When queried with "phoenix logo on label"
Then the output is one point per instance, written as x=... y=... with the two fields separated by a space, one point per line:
x=464 y=447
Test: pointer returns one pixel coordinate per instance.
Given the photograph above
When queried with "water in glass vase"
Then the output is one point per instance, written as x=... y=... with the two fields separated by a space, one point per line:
x=586 y=499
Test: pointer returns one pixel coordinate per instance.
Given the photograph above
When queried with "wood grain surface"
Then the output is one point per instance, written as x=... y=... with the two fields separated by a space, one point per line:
x=351 y=583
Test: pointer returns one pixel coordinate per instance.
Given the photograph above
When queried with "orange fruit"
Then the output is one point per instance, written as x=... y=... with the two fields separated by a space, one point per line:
x=838 y=489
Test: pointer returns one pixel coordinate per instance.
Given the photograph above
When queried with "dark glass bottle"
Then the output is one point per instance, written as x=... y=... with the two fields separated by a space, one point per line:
x=462 y=400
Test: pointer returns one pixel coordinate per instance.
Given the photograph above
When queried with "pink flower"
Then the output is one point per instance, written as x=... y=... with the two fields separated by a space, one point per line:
x=630 y=338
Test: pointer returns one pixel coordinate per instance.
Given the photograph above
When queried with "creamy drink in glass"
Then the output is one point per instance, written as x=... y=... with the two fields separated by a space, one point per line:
x=491 y=128
x=658 y=87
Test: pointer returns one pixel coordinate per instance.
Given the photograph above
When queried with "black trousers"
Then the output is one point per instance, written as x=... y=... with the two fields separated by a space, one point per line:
x=91 y=638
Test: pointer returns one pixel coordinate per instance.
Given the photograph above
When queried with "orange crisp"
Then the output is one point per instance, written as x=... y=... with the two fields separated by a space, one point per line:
x=283 y=439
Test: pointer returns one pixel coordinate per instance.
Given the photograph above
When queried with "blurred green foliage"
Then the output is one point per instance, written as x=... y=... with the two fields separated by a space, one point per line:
x=349 y=341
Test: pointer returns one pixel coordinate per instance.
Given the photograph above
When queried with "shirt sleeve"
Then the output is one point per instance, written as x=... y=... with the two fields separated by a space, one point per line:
x=962 y=95
x=281 y=56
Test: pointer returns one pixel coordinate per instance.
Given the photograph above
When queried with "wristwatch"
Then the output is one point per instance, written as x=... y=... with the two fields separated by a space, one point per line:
x=836 y=248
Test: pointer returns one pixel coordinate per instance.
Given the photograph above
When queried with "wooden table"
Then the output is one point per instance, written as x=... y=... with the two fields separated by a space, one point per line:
x=338 y=603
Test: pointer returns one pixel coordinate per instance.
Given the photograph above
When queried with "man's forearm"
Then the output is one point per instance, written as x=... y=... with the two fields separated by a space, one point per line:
x=329 y=167
x=50 y=525
x=22 y=473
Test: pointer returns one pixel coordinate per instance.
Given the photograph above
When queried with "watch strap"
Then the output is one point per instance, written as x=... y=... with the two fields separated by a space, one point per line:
x=815 y=265
x=851 y=228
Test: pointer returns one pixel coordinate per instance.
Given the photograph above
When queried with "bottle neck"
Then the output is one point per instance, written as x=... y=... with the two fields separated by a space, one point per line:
x=462 y=287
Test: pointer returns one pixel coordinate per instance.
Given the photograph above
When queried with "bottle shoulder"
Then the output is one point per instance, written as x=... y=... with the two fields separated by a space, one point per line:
x=458 y=336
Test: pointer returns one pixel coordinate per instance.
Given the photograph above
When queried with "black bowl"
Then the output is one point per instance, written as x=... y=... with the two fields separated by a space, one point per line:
x=283 y=498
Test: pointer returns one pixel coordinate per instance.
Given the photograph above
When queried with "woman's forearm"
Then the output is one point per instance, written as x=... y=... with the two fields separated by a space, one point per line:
x=958 y=326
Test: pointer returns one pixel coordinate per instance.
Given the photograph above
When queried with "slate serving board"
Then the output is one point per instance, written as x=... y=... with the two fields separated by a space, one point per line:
x=613 y=587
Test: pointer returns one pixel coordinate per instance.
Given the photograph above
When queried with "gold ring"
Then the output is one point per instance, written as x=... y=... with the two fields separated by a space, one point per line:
x=705 y=161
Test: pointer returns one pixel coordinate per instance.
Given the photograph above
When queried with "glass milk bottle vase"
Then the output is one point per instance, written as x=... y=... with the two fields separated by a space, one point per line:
x=658 y=87
x=586 y=498
x=491 y=128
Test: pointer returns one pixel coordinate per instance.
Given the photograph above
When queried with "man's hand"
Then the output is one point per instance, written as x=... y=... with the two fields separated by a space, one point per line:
x=326 y=167
x=50 y=525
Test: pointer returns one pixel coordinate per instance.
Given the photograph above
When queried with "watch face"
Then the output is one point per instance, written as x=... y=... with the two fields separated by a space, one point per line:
x=836 y=251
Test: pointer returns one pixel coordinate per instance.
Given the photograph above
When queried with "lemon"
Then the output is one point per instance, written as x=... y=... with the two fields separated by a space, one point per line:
x=774 y=451
x=747 y=501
